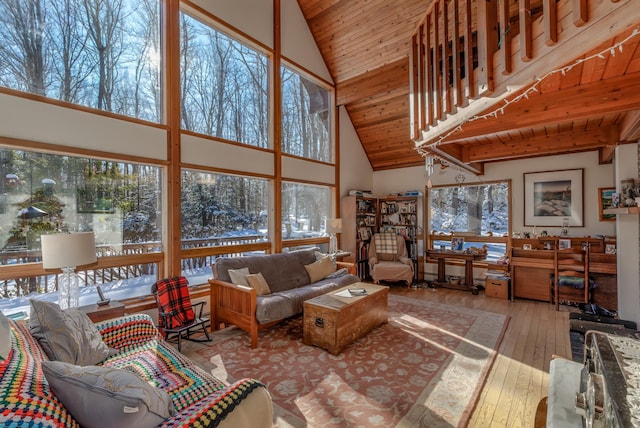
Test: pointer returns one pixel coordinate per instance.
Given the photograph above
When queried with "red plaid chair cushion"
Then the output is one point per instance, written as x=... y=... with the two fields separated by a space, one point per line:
x=173 y=297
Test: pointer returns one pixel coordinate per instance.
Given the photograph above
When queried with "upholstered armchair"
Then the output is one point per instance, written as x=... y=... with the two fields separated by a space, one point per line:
x=388 y=259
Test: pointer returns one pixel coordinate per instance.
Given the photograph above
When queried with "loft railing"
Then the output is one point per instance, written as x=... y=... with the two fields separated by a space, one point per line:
x=468 y=55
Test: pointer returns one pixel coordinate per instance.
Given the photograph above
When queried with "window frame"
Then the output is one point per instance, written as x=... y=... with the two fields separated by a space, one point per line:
x=434 y=236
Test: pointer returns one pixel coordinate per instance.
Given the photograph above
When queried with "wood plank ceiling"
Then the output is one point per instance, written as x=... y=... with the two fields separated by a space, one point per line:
x=365 y=44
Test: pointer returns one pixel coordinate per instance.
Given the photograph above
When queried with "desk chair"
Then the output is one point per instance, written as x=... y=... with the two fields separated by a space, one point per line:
x=176 y=315
x=570 y=280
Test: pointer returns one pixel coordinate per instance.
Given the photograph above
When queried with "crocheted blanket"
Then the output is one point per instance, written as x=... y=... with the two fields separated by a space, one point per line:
x=199 y=398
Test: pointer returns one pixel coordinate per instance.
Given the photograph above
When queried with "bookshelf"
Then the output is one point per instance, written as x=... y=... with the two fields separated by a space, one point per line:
x=401 y=215
x=359 y=222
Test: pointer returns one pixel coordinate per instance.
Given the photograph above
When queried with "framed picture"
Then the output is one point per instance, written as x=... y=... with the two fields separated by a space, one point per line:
x=457 y=243
x=526 y=246
x=563 y=244
x=610 y=249
x=551 y=196
x=605 y=200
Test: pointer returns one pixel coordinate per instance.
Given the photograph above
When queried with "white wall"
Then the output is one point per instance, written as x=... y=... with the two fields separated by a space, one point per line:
x=298 y=43
x=252 y=17
x=628 y=242
x=595 y=176
x=355 y=169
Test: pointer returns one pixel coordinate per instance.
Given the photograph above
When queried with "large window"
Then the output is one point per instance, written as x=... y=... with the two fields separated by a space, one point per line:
x=305 y=117
x=100 y=54
x=478 y=211
x=305 y=210
x=45 y=193
x=222 y=209
x=224 y=85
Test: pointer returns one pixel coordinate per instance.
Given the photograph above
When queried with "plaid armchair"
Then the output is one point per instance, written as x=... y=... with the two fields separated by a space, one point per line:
x=388 y=259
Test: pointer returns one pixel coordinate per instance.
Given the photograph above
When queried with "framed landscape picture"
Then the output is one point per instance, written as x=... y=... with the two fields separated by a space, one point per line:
x=551 y=196
x=605 y=200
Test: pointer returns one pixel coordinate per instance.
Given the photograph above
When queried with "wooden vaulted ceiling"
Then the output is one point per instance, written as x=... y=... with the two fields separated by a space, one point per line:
x=366 y=43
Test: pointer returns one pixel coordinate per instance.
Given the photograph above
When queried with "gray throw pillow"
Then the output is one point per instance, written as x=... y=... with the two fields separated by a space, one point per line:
x=107 y=397
x=68 y=335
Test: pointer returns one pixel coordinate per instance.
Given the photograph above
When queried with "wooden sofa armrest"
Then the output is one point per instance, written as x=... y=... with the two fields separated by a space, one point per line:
x=234 y=304
x=351 y=267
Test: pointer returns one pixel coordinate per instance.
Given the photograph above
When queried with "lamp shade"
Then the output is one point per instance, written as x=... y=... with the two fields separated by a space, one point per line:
x=68 y=249
x=334 y=225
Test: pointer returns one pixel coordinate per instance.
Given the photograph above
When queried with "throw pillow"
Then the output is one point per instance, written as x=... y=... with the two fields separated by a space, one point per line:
x=257 y=281
x=5 y=337
x=239 y=276
x=320 y=269
x=68 y=335
x=320 y=256
x=107 y=397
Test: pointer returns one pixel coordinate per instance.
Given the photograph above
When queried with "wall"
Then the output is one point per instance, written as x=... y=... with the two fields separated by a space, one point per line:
x=628 y=232
x=355 y=169
x=594 y=176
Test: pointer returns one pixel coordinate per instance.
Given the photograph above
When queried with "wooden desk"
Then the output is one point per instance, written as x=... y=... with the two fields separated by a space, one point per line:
x=469 y=258
x=530 y=271
x=100 y=313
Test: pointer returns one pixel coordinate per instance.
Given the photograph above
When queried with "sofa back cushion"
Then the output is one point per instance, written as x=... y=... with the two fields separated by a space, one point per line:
x=24 y=394
x=282 y=271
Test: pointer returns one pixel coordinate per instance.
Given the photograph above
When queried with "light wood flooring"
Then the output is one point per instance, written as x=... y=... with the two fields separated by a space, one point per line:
x=519 y=376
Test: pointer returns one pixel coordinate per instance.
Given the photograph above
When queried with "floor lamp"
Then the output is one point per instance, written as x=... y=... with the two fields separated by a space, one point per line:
x=66 y=251
x=334 y=226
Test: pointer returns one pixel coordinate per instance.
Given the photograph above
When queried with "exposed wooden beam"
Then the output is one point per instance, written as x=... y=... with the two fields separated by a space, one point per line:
x=454 y=159
x=617 y=94
x=538 y=145
x=606 y=154
x=630 y=128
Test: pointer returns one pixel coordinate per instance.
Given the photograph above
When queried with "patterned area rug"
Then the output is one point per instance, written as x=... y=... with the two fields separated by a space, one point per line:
x=424 y=368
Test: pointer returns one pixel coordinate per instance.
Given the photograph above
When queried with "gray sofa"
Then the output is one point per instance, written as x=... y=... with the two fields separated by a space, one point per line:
x=288 y=280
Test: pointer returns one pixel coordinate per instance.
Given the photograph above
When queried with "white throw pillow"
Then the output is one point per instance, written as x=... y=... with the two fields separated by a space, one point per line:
x=239 y=276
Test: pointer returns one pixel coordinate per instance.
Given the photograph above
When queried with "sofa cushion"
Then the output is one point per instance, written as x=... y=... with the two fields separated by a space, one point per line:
x=106 y=397
x=320 y=269
x=257 y=281
x=68 y=335
x=282 y=271
x=284 y=304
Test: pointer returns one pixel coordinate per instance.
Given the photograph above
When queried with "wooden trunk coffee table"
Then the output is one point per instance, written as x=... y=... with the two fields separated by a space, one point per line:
x=332 y=321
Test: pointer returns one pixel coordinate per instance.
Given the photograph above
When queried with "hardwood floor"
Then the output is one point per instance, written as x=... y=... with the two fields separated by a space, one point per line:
x=520 y=374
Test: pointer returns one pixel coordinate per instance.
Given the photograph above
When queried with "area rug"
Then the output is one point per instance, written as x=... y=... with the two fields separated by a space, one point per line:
x=424 y=368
